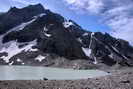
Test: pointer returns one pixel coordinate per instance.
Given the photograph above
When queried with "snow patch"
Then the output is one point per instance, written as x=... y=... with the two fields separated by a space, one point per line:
x=80 y=40
x=11 y=63
x=87 y=51
x=4 y=58
x=67 y=24
x=17 y=28
x=23 y=63
x=40 y=58
x=13 y=49
x=19 y=60
x=33 y=50
x=120 y=53
x=40 y=15
x=45 y=29
x=29 y=46
x=92 y=34
x=85 y=34
x=115 y=49
x=95 y=60
x=1 y=38
x=21 y=26
x=48 y=35
x=45 y=32
x=111 y=55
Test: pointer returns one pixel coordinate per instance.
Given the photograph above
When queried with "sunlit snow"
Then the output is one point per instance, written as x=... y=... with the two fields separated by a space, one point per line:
x=67 y=24
x=13 y=49
x=48 y=35
x=87 y=51
x=95 y=60
x=80 y=40
x=19 y=60
x=40 y=58
x=85 y=34
x=45 y=29
x=40 y=15
x=11 y=63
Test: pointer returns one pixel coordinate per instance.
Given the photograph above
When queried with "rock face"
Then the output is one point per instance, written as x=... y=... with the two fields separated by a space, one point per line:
x=30 y=34
x=17 y=16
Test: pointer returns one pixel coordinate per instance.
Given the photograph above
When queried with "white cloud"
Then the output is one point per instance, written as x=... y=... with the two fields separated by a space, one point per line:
x=117 y=14
x=88 y=5
x=21 y=1
x=96 y=5
x=71 y=1
x=121 y=21
x=28 y=2
x=123 y=28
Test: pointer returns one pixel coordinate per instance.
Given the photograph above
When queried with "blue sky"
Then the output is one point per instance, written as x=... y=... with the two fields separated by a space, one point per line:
x=112 y=16
x=87 y=21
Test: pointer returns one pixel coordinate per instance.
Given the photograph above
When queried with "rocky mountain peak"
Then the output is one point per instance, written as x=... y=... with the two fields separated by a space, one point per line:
x=13 y=9
x=35 y=32
x=37 y=7
x=16 y=16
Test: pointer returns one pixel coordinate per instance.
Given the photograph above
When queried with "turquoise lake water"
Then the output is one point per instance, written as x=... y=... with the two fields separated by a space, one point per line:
x=37 y=73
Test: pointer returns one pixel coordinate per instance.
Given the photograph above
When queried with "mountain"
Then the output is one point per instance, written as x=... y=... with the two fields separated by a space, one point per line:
x=17 y=16
x=34 y=35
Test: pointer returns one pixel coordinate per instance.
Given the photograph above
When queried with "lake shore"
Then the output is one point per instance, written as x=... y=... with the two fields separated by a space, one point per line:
x=120 y=79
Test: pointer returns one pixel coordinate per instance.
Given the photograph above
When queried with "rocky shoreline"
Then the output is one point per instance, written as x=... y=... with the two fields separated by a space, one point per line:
x=120 y=79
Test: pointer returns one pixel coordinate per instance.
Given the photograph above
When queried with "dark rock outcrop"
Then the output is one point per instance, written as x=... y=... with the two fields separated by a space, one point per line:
x=17 y=16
